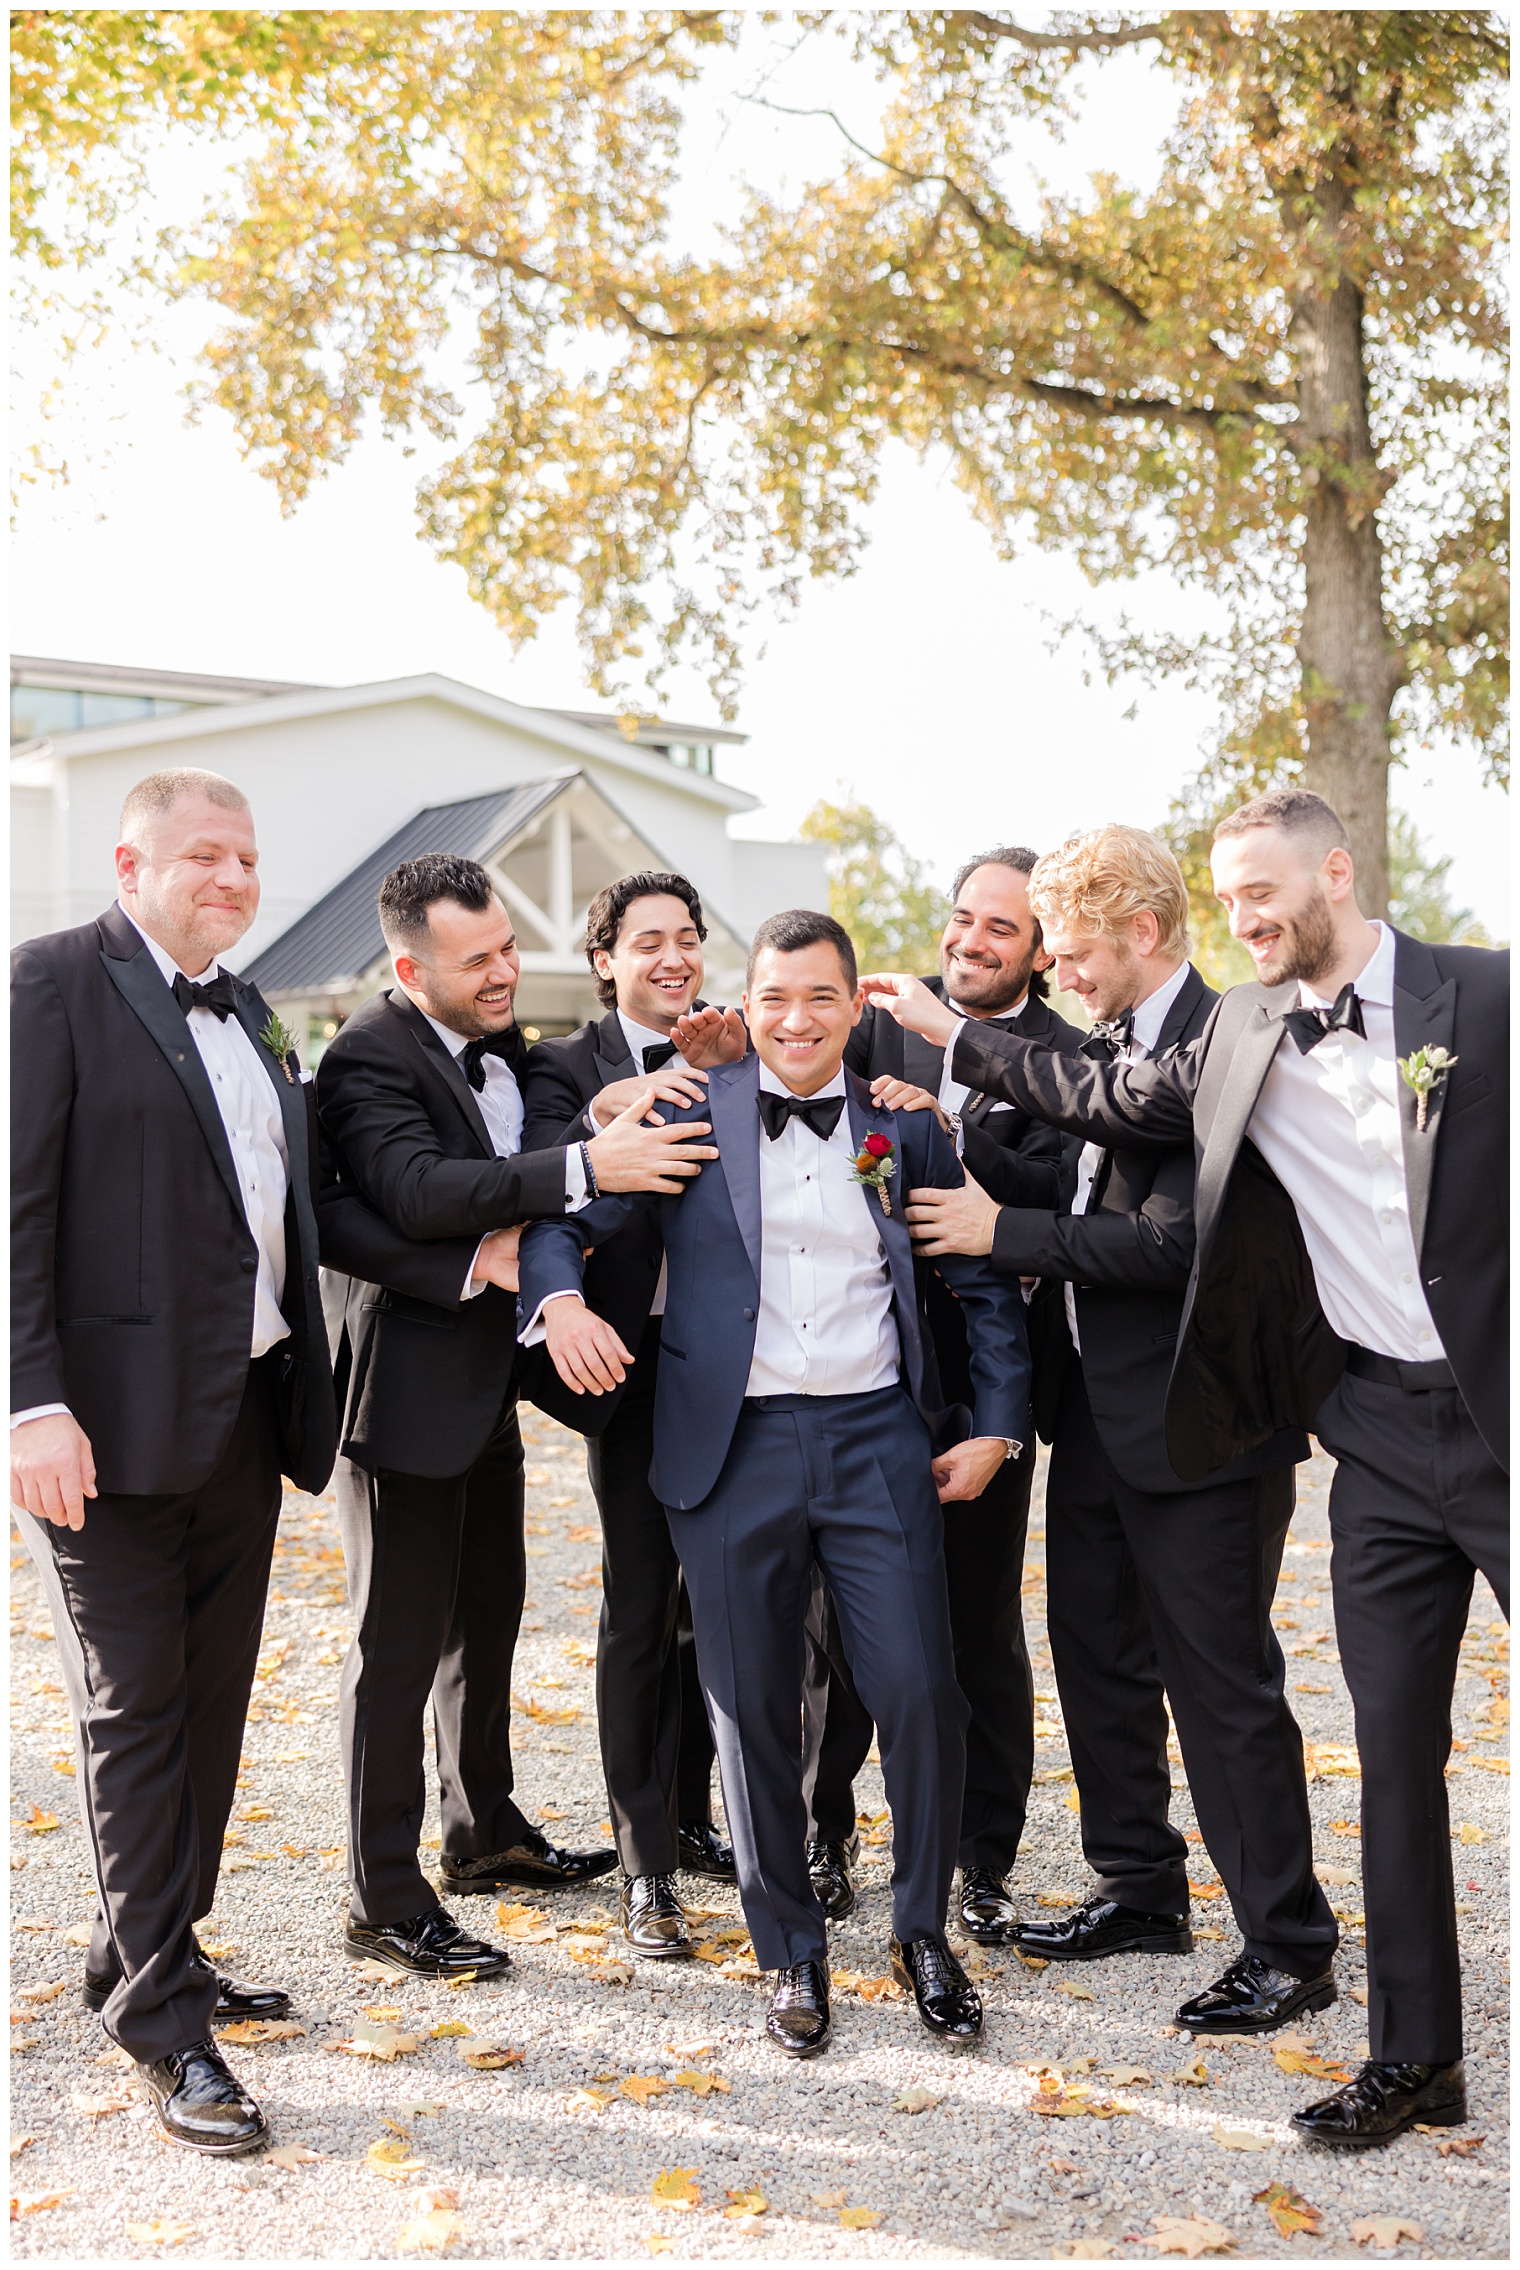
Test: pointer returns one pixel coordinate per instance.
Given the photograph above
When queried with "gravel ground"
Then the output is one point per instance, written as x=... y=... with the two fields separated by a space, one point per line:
x=550 y=2157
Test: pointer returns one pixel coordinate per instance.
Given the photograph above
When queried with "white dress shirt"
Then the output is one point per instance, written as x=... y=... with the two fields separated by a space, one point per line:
x=243 y=1087
x=501 y=1107
x=1150 y=1016
x=954 y=1094
x=639 y=1037
x=1327 y=1124
x=825 y=1323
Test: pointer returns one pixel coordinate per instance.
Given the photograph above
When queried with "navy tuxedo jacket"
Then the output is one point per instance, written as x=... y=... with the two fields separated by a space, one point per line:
x=712 y=1235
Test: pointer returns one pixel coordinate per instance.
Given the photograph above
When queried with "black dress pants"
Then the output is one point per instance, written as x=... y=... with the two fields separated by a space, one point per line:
x=158 y=1607
x=984 y=1570
x=436 y=1576
x=1418 y=1503
x=656 y=1748
x=1156 y=1595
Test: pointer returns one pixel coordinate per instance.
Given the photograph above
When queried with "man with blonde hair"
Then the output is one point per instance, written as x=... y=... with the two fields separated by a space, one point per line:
x=1160 y=1588
x=1348 y=1114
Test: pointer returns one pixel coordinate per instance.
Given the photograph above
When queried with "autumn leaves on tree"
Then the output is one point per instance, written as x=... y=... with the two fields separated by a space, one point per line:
x=1278 y=372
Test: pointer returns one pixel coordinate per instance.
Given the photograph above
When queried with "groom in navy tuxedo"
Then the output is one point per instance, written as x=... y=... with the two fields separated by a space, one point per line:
x=798 y=1419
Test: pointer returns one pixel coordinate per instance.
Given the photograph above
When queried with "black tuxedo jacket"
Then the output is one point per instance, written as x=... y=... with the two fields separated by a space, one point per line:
x=560 y=1080
x=1128 y=1259
x=133 y=1266
x=1015 y=1157
x=1255 y=1352
x=410 y=1185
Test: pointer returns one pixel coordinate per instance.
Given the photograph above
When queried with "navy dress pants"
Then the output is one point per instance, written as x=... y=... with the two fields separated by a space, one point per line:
x=843 y=1481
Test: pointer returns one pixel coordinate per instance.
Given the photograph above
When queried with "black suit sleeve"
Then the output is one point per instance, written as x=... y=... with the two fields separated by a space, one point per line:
x=1122 y=1106
x=555 y=1099
x=358 y=1242
x=42 y=1099
x=1027 y=1174
x=1151 y=1250
x=374 y=1114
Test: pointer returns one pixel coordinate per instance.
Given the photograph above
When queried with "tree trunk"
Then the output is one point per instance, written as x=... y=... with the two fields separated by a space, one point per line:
x=1350 y=669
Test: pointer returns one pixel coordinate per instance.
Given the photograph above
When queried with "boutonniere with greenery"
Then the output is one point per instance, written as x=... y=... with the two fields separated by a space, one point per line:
x=875 y=1165
x=281 y=1043
x=1425 y=1071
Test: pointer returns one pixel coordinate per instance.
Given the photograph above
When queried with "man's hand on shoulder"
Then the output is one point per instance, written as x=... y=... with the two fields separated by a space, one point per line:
x=965 y=1471
x=586 y=1352
x=52 y=1469
x=909 y=1000
x=673 y=1083
x=642 y=1152
x=959 y=1220
x=901 y=1095
x=711 y=1036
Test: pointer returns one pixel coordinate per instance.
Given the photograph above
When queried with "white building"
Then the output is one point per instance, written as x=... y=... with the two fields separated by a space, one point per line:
x=345 y=781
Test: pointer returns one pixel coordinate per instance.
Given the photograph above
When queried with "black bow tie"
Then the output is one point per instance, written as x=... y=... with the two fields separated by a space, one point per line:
x=472 y=1056
x=821 y=1113
x=1116 y=1033
x=1309 y=1026
x=658 y=1054
x=219 y=996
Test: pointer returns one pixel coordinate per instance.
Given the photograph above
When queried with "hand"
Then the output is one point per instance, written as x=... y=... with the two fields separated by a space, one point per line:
x=909 y=1000
x=711 y=1036
x=965 y=1471
x=496 y=1262
x=52 y=1469
x=587 y=1353
x=951 y=1221
x=633 y=1156
x=673 y=1083
x=901 y=1095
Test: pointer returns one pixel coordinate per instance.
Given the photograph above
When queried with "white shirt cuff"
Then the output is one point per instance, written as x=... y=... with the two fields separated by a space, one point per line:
x=472 y=1289
x=951 y=1047
x=576 y=1193
x=533 y=1331
x=41 y=1411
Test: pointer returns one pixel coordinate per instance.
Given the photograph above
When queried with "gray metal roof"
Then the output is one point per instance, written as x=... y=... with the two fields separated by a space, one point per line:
x=334 y=942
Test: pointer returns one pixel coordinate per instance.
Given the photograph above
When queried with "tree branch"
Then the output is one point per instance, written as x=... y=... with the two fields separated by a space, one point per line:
x=1066 y=43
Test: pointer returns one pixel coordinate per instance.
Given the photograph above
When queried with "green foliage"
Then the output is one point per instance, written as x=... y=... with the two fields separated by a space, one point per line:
x=1420 y=898
x=877 y=889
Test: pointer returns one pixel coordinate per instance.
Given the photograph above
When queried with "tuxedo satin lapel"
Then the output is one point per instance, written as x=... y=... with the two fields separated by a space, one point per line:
x=1420 y=1021
x=1175 y=1023
x=1253 y=1054
x=735 y=1119
x=137 y=980
x=613 y=1061
x=446 y=1065
x=866 y=1119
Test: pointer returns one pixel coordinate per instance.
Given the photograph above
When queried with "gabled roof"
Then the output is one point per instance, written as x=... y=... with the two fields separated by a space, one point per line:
x=556 y=727
x=334 y=942
x=172 y=685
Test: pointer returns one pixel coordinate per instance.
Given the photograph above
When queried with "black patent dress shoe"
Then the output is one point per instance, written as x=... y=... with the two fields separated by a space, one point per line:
x=235 y=1998
x=798 y=2018
x=532 y=1865
x=431 y=1946
x=703 y=1852
x=828 y=1865
x=1382 y=2102
x=1255 y=1998
x=948 y=2003
x=200 y=2104
x=988 y=1914
x=1102 y=1927
x=654 y=1922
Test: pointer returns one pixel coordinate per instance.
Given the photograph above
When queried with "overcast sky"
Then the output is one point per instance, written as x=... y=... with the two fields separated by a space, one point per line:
x=923 y=684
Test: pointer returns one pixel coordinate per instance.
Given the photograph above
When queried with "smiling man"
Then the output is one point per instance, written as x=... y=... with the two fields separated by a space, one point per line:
x=169 y=1362
x=797 y=1420
x=423 y=1117
x=1350 y=1123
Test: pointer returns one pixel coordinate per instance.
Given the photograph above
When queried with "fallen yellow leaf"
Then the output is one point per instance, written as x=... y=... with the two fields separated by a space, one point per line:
x=291 y=2156
x=1126 y=2076
x=1470 y=1835
x=1304 y=2061
x=251 y=2030
x=382 y=2042
x=36 y=2202
x=450 y=2026
x=1289 y=2210
x=39 y=1822
x=160 y=2233
x=745 y=2203
x=97 y=2108
x=702 y=2084
x=431 y=2233
x=391 y=2157
x=1191 y=2235
x=829 y=2198
x=590 y=2100
x=869 y=1989
x=658 y=2243
x=674 y=2188
x=1073 y=1987
x=49 y=1993
x=1386 y=2230
x=1194 y=2076
x=488 y=2056
x=859 y=2218
x=915 y=2100
x=1240 y=2139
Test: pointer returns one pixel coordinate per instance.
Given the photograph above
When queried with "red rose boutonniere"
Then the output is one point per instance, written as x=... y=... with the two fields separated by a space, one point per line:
x=875 y=1165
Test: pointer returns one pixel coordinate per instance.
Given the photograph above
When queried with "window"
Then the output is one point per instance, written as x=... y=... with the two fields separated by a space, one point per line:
x=40 y=710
